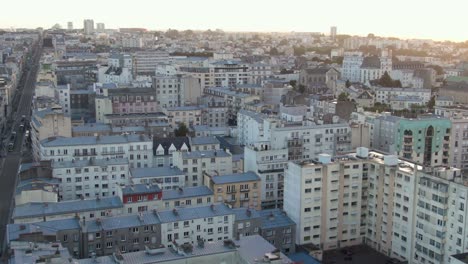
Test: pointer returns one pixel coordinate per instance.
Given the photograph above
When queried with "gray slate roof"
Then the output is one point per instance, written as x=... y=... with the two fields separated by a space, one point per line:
x=155 y=172
x=29 y=210
x=77 y=141
x=189 y=213
x=236 y=177
x=187 y=192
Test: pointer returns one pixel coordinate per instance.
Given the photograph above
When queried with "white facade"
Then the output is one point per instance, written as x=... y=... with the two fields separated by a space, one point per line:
x=351 y=69
x=90 y=179
x=138 y=149
x=383 y=95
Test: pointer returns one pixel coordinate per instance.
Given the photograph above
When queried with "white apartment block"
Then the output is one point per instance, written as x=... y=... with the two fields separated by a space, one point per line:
x=269 y=165
x=167 y=178
x=146 y=62
x=303 y=141
x=138 y=149
x=397 y=207
x=176 y=90
x=384 y=95
x=260 y=72
x=458 y=157
x=188 y=225
x=195 y=163
x=351 y=69
x=90 y=178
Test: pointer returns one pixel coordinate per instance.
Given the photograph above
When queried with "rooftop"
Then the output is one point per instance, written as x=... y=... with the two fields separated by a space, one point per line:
x=155 y=172
x=236 y=178
x=205 y=154
x=30 y=210
x=187 y=192
x=90 y=140
x=273 y=218
x=463 y=257
x=204 y=140
x=14 y=231
x=140 y=189
x=189 y=213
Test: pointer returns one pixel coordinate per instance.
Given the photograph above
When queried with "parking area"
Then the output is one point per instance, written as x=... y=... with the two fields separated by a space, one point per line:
x=359 y=254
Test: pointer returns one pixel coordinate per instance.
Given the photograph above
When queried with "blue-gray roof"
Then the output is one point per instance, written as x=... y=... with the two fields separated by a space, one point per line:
x=186 y=193
x=29 y=210
x=204 y=154
x=92 y=127
x=253 y=248
x=235 y=178
x=49 y=227
x=203 y=140
x=155 y=172
x=273 y=218
x=140 y=189
x=183 y=108
x=243 y=214
x=77 y=141
x=93 y=162
x=125 y=221
x=189 y=213
x=36 y=184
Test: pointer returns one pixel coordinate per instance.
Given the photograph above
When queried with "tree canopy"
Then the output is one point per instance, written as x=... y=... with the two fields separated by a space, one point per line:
x=181 y=131
x=387 y=81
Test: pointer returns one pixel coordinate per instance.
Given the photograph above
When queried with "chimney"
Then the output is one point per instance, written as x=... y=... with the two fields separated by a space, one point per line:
x=212 y=207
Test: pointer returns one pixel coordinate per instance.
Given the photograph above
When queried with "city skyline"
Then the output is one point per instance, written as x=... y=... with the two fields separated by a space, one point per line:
x=356 y=18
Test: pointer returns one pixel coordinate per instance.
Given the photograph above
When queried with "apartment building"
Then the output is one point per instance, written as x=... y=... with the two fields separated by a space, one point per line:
x=164 y=147
x=204 y=143
x=259 y=72
x=195 y=163
x=458 y=157
x=269 y=165
x=138 y=198
x=146 y=62
x=90 y=178
x=384 y=95
x=188 y=196
x=237 y=190
x=136 y=148
x=88 y=208
x=167 y=178
x=303 y=140
x=176 y=90
x=188 y=115
x=188 y=225
x=48 y=123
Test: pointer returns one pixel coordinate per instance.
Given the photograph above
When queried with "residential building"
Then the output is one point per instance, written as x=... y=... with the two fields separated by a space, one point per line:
x=237 y=190
x=195 y=164
x=188 y=196
x=166 y=178
x=88 y=26
x=204 y=143
x=189 y=115
x=164 y=147
x=138 y=198
x=89 y=208
x=146 y=62
x=314 y=79
x=136 y=148
x=278 y=229
x=46 y=124
x=384 y=95
x=176 y=90
x=90 y=178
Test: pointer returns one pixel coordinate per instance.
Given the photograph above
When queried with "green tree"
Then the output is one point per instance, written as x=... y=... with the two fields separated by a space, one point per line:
x=431 y=103
x=343 y=97
x=387 y=81
x=301 y=88
x=299 y=50
x=181 y=131
x=274 y=51
x=348 y=84
x=293 y=83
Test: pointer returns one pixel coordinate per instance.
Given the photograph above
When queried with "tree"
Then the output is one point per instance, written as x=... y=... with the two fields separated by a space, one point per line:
x=301 y=88
x=274 y=51
x=439 y=70
x=299 y=50
x=181 y=131
x=293 y=83
x=431 y=103
x=348 y=84
x=387 y=81
x=343 y=97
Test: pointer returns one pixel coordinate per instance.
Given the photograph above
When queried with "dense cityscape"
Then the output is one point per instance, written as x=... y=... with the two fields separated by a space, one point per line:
x=133 y=145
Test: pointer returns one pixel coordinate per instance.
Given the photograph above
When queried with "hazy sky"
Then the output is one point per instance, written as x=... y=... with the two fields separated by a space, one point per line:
x=441 y=20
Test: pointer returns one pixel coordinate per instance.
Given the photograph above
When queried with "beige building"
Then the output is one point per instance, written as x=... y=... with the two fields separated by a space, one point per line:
x=237 y=190
x=189 y=115
x=360 y=135
x=48 y=123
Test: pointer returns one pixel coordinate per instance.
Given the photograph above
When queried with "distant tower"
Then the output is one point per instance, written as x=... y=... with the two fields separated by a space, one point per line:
x=100 y=27
x=333 y=32
x=70 y=25
x=88 y=26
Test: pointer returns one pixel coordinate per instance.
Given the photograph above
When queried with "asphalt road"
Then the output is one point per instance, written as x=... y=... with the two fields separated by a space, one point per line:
x=11 y=162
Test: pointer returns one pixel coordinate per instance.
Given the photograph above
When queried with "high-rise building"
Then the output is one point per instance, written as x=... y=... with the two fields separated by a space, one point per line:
x=333 y=32
x=100 y=27
x=70 y=25
x=88 y=26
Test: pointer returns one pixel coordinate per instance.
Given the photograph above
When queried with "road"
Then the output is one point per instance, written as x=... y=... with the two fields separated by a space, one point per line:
x=12 y=161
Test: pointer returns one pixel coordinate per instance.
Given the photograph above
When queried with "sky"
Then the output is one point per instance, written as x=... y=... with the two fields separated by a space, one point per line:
x=426 y=19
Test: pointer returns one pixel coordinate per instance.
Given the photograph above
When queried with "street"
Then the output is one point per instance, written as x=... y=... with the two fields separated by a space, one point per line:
x=10 y=163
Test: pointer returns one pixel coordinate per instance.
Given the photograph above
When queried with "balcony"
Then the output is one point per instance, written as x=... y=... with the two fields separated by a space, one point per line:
x=230 y=201
x=231 y=191
x=84 y=154
x=245 y=190
x=244 y=199
x=119 y=152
